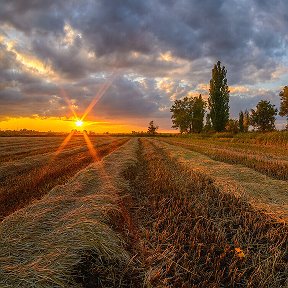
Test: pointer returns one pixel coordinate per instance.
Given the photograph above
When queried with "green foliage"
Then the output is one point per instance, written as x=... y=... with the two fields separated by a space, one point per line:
x=241 y=121
x=182 y=114
x=152 y=128
x=232 y=126
x=218 y=100
x=198 y=111
x=284 y=103
x=263 y=118
x=188 y=114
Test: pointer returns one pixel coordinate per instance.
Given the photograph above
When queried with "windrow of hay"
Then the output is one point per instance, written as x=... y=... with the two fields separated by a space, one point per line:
x=35 y=146
x=66 y=239
x=31 y=161
x=195 y=235
x=275 y=168
x=23 y=186
x=261 y=191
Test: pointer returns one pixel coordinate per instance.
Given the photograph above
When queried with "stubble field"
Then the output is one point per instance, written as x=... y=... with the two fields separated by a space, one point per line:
x=143 y=212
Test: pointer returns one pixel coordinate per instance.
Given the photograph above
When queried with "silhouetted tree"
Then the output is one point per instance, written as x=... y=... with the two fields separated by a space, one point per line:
x=198 y=112
x=246 y=121
x=218 y=100
x=152 y=128
x=284 y=103
x=241 y=121
x=263 y=118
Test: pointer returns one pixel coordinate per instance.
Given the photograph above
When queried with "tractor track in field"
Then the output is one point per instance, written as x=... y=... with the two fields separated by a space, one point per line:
x=32 y=183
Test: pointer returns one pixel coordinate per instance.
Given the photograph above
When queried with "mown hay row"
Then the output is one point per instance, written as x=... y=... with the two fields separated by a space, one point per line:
x=277 y=169
x=262 y=191
x=66 y=238
x=23 y=165
x=197 y=236
x=21 y=188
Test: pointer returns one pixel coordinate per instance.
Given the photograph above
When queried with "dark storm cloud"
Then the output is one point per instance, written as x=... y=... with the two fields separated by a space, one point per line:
x=249 y=37
x=29 y=15
x=123 y=99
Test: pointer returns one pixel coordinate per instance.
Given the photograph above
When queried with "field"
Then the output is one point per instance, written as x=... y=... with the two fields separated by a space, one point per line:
x=143 y=212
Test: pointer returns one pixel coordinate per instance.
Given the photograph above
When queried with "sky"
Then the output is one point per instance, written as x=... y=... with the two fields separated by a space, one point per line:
x=121 y=64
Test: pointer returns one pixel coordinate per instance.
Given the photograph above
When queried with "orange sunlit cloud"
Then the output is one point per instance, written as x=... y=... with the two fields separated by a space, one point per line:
x=30 y=63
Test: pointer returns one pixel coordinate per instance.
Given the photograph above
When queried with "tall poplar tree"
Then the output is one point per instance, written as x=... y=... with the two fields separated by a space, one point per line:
x=241 y=121
x=198 y=111
x=218 y=101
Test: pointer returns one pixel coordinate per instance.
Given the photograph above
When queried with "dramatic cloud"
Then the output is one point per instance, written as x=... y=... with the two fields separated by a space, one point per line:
x=159 y=51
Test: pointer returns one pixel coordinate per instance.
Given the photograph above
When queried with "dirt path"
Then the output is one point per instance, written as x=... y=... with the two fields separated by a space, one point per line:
x=260 y=190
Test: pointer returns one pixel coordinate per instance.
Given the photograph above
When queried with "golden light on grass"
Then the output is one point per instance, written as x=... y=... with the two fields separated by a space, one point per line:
x=64 y=143
x=90 y=147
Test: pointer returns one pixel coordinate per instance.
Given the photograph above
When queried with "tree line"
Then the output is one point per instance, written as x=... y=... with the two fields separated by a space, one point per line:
x=188 y=113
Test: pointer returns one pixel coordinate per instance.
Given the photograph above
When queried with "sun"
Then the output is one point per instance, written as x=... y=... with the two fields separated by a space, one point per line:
x=79 y=123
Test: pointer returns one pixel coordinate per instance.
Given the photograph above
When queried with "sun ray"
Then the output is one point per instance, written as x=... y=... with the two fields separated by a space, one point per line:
x=45 y=169
x=64 y=143
x=98 y=96
x=68 y=101
x=91 y=147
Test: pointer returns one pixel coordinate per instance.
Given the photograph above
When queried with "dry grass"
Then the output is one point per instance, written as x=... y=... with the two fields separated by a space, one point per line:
x=146 y=206
x=33 y=147
x=65 y=239
x=260 y=190
x=262 y=162
x=32 y=179
x=197 y=236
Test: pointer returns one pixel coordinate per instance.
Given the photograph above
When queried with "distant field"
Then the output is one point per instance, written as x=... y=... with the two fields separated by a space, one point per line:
x=31 y=166
x=148 y=212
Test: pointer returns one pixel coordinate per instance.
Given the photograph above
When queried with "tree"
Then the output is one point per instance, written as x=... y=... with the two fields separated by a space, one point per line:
x=232 y=126
x=263 y=118
x=241 y=121
x=218 y=100
x=208 y=125
x=188 y=114
x=284 y=103
x=198 y=112
x=246 y=121
x=182 y=114
x=152 y=128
